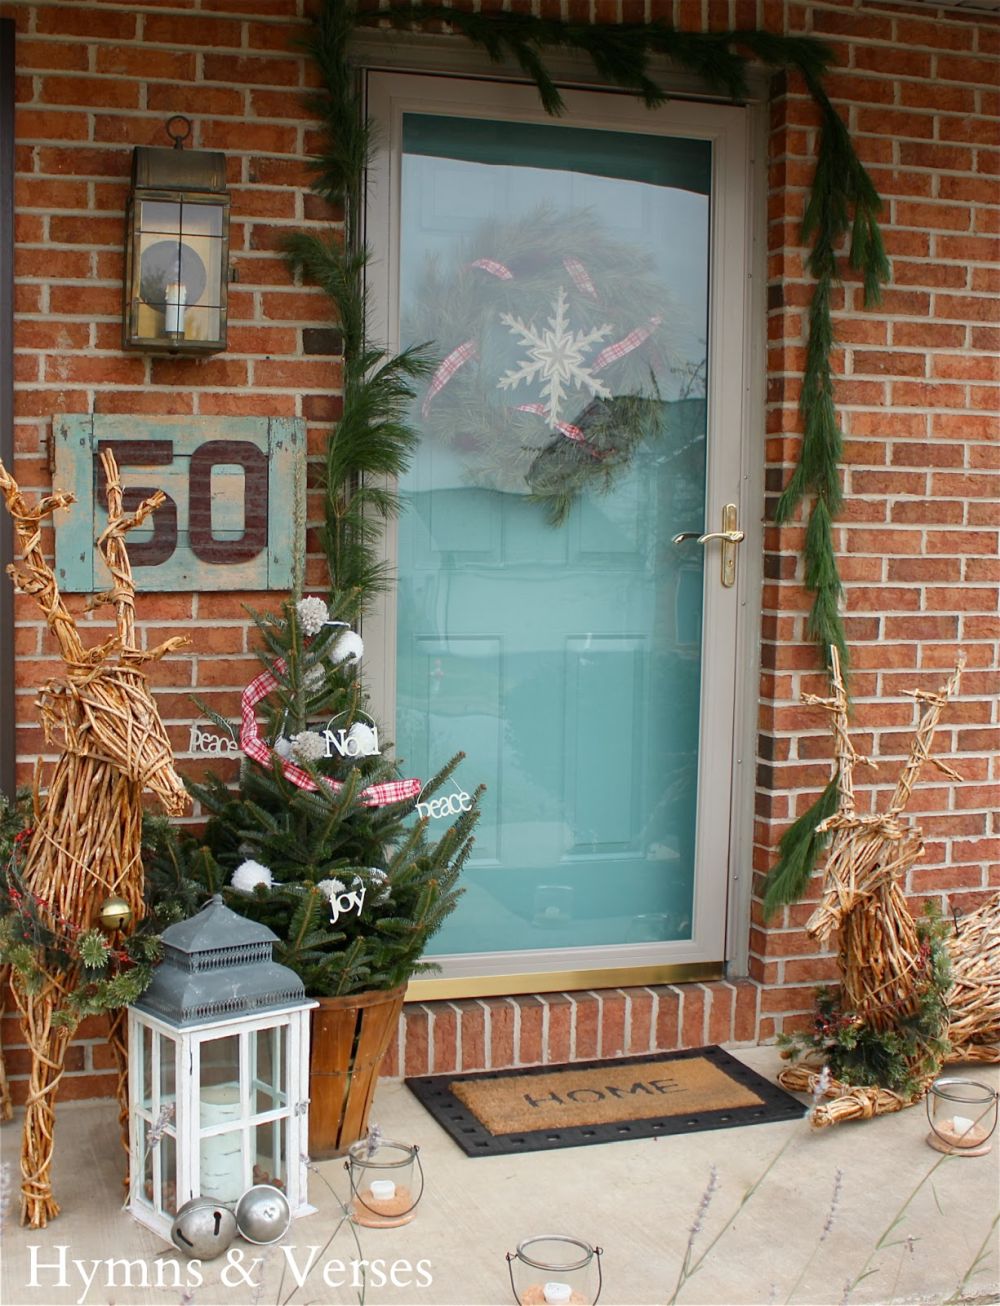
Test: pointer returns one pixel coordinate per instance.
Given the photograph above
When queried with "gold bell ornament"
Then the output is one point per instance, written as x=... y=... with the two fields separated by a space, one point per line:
x=115 y=914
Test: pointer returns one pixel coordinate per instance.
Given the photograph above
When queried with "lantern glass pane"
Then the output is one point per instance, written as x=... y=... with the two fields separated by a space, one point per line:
x=202 y=219
x=168 y=1071
x=268 y=1050
x=145 y=1050
x=162 y=263
x=220 y=1081
x=167 y=1148
x=202 y=324
x=269 y=1153
x=159 y=215
x=147 y=1161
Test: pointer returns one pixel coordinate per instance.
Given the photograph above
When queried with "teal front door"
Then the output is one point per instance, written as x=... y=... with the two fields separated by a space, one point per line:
x=546 y=621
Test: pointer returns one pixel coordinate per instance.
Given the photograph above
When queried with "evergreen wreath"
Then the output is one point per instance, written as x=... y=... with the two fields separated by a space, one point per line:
x=843 y=208
x=550 y=281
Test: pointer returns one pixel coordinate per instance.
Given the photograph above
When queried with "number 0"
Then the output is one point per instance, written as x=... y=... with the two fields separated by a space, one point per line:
x=215 y=453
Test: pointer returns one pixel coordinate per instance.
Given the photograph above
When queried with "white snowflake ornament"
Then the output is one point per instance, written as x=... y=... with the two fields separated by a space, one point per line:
x=555 y=360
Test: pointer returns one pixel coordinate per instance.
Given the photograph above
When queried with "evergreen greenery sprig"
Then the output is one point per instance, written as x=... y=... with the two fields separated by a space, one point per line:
x=107 y=975
x=372 y=444
x=912 y=1046
x=798 y=850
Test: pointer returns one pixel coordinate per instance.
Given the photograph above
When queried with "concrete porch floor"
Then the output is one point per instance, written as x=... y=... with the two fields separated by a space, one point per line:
x=638 y=1200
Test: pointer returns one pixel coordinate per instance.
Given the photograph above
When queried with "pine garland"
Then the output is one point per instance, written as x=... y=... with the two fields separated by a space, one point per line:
x=843 y=205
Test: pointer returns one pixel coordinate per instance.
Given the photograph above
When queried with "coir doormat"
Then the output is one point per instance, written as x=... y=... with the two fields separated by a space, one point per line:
x=544 y=1107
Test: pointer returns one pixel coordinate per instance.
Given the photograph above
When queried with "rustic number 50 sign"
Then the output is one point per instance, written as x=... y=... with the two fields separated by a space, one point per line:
x=233 y=513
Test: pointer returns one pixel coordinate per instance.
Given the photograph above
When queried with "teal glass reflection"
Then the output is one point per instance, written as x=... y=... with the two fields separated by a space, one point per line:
x=562 y=275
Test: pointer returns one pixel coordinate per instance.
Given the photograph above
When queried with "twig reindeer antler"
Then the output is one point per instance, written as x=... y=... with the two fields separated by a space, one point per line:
x=920 y=746
x=872 y=849
x=35 y=578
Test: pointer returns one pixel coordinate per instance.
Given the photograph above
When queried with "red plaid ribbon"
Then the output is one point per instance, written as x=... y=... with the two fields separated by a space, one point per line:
x=446 y=371
x=581 y=277
x=494 y=268
x=565 y=428
x=625 y=346
x=393 y=791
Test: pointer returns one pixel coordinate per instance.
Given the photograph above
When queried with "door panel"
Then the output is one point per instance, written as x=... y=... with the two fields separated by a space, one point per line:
x=585 y=667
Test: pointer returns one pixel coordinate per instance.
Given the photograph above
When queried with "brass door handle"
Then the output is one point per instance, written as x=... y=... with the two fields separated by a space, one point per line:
x=730 y=535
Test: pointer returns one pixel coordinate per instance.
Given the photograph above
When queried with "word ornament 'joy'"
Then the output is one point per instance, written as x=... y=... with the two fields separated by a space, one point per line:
x=341 y=904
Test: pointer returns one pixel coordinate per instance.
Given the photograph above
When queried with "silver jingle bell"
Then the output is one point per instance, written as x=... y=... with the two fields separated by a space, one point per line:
x=263 y=1214
x=203 y=1229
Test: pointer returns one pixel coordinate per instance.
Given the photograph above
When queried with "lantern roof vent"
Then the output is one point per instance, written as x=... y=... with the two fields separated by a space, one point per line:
x=218 y=965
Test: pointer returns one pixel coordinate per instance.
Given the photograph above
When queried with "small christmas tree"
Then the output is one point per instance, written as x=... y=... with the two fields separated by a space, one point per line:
x=317 y=841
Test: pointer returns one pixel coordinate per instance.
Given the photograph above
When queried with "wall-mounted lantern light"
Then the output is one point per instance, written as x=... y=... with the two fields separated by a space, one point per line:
x=177 y=253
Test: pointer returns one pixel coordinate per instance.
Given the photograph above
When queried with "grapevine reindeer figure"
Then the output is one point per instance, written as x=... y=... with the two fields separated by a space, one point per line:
x=882 y=961
x=85 y=845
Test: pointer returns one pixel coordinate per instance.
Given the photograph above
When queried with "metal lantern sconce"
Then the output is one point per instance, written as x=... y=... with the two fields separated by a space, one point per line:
x=554 y=1268
x=218 y=1079
x=177 y=248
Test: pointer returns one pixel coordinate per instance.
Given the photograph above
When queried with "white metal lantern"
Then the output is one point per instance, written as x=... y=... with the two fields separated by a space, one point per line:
x=218 y=1071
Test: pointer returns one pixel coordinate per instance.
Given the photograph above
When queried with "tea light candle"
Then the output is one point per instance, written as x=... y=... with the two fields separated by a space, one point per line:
x=557 y=1292
x=960 y=1132
x=383 y=1190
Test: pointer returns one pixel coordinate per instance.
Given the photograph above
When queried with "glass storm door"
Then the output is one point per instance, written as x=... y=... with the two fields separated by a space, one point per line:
x=583 y=285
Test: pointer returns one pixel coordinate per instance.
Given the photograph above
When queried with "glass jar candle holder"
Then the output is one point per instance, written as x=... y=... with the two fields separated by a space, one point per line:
x=555 y=1270
x=384 y=1193
x=962 y=1114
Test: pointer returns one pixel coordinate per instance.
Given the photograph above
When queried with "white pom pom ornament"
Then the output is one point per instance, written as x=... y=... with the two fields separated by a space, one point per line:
x=362 y=740
x=348 y=648
x=248 y=875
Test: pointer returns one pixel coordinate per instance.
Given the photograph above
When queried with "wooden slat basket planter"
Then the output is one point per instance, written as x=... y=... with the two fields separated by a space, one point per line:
x=350 y=1036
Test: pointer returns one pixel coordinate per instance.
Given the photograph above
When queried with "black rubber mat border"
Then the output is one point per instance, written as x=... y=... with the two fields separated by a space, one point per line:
x=434 y=1093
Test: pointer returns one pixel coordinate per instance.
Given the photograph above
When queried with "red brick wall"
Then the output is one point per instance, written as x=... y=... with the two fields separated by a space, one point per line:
x=93 y=81
x=917 y=388
x=918 y=393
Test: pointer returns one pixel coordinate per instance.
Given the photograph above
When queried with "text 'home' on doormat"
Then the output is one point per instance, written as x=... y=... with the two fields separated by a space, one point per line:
x=599 y=1101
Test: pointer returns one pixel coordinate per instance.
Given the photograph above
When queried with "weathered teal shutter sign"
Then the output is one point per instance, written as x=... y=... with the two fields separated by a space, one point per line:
x=233 y=518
